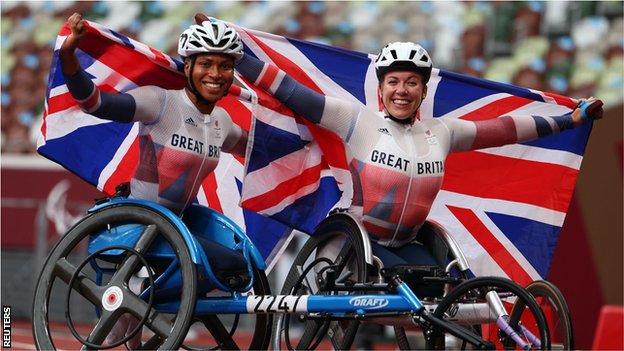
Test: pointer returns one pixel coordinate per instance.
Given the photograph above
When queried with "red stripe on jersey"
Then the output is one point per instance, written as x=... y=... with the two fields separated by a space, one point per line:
x=496 y=177
x=490 y=243
x=210 y=189
x=495 y=132
x=268 y=77
x=124 y=170
x=283 y=190
x=496 y=108
x=380 y=232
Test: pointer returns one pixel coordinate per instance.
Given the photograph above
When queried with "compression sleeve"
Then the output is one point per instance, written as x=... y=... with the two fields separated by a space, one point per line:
x=115 y=107
x=473 y=135
x=331 y=113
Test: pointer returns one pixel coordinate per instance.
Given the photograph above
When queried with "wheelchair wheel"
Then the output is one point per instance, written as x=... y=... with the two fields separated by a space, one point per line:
x=556 y=311
x=86 y=297
x=469 y=305
x=337 y=242
x=231 y=332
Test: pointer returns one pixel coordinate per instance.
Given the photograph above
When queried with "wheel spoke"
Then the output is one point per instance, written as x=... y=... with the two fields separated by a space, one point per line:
x=219 y=332
x=157 y=322
x=309 y=332
x=103 y=327
x=131 y=262
x=152 y=343
x=82 y=284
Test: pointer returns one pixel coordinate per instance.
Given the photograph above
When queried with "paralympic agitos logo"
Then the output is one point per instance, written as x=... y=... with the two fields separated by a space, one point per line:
x=369 y=303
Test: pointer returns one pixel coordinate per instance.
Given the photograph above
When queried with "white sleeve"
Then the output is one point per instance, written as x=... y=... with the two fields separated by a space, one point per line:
x=150 y=103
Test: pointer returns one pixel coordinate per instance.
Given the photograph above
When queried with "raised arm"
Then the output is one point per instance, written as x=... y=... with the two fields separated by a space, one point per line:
x=121 y=107
x=331 y=113
x=473 y=135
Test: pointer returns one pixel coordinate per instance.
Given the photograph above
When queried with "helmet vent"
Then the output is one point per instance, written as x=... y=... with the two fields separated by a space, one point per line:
x=425 y=59
x=195 y=43
x=223 y=42
x=412 y=54
x=394 y=54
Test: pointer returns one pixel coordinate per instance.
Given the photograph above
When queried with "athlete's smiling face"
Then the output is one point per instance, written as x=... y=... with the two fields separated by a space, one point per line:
x=212 y=75
x=402 y=92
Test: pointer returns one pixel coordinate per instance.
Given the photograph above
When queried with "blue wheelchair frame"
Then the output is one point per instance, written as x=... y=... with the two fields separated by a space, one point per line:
x=202 y=221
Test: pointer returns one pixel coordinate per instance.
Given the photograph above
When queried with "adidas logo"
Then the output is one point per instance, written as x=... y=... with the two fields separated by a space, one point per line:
x=190 y=121
x=384 y=131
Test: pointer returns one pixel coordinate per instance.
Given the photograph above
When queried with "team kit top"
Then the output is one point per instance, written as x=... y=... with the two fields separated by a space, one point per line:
x=178 y=145
x=396 y=169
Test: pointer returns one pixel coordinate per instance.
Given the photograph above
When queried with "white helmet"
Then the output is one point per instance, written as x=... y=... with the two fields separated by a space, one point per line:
x=212 y=36
x=403 y=56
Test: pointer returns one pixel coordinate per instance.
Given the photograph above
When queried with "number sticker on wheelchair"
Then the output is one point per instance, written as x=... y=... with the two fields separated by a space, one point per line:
x=284 y=303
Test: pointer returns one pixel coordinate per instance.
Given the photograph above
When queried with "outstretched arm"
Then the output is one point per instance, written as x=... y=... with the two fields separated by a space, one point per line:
x=331 y=113
x=473 y=135
x=116 y=107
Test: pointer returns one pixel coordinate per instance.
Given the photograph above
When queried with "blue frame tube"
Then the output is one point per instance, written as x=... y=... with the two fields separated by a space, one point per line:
x=404 y=301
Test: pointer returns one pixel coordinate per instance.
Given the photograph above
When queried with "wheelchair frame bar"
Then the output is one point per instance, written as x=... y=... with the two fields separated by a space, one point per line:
x=403 y=301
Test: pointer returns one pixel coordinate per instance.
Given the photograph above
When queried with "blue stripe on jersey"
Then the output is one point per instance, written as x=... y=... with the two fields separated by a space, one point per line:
x=87 y=150
x=123 y=38
x=456 y=90
x=275 y=143
x=347 y=68
x=571 y=140
x=308 y=211
x=535 y=240
x=264 y=232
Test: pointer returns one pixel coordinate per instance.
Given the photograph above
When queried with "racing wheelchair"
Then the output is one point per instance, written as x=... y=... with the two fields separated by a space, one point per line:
x=131 y=257
x=340 y=251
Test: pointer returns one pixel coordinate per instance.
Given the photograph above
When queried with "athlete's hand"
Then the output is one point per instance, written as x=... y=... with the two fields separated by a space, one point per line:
x=78 y=30
x=589 y=109
x=200 y=18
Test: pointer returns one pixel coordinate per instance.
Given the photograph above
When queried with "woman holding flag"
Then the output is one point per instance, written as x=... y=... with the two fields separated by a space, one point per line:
x=397 y=156
x=181 y=132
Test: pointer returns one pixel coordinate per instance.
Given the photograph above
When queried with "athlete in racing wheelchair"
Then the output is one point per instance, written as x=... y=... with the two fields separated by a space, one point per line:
x=397 y=156
x=181 y=134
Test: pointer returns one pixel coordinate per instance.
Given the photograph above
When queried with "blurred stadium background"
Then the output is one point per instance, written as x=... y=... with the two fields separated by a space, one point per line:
x=571 y=48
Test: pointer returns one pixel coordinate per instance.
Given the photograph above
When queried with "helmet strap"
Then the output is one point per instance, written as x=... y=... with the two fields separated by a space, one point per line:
x=405 y=120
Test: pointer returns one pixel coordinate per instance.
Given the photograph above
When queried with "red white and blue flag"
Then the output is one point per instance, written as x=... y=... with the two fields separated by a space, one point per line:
x=505 y=206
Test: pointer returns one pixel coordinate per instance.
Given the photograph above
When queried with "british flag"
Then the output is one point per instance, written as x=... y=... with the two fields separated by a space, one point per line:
x=505 y=206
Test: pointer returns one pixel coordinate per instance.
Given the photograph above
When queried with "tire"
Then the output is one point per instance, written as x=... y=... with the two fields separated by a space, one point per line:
x=334 y=229
x=161 y=331
x=551 y=301
x=472 y=292
x=223 y=328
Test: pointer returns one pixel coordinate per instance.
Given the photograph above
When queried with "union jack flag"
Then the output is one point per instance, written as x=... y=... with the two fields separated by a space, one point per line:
x=505 y=206
x=106 y=153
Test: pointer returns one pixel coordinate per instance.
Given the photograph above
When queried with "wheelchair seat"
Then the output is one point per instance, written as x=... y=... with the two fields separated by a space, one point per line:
x=229 y=266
